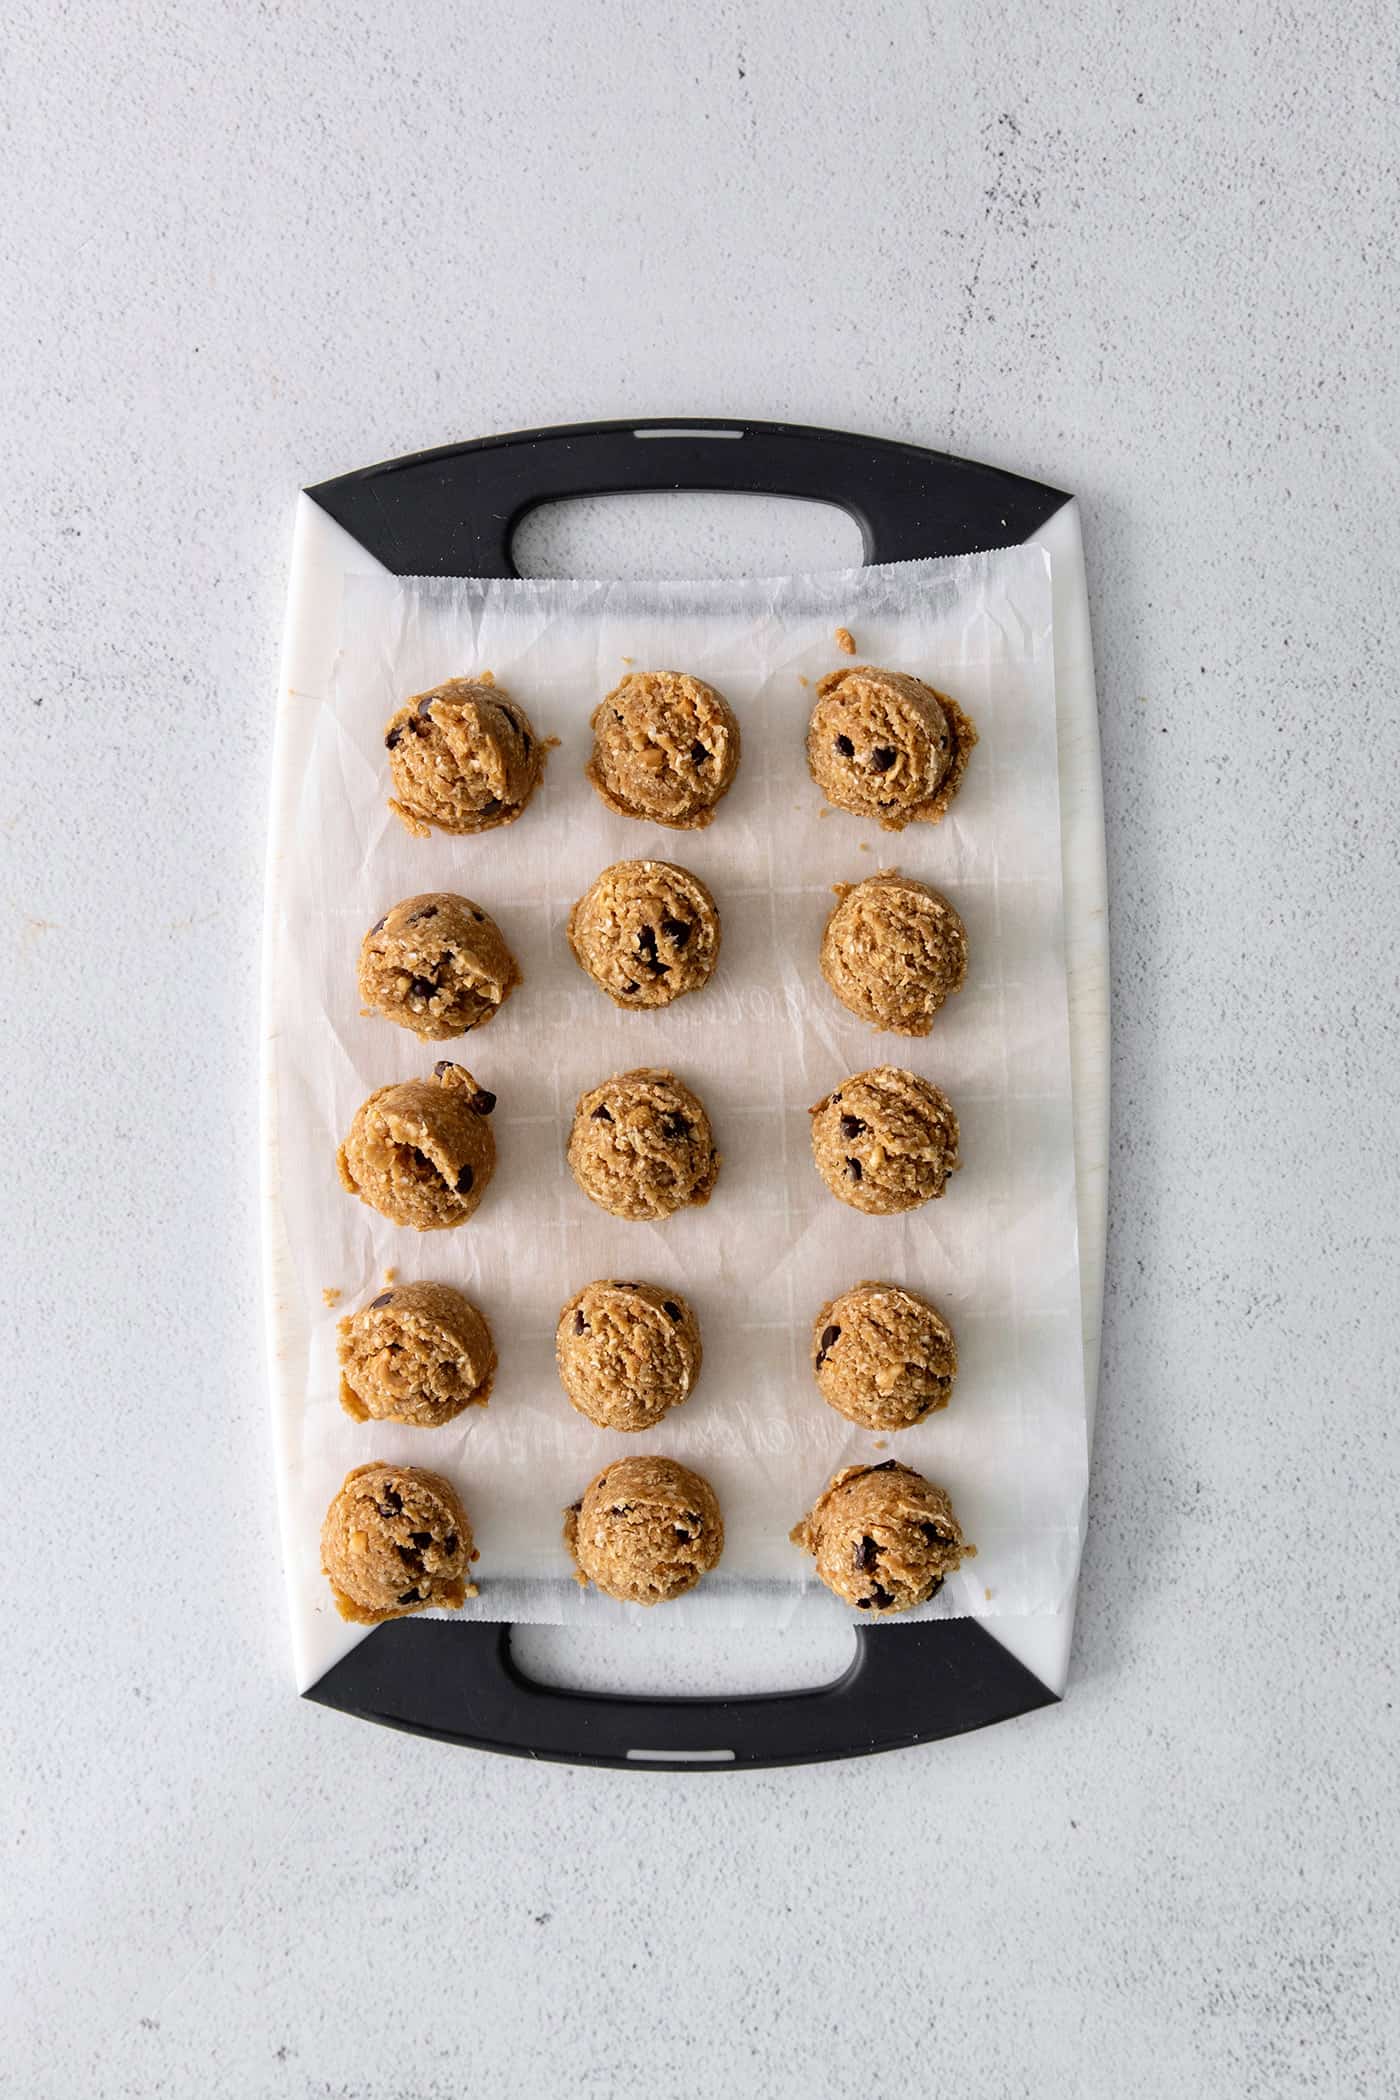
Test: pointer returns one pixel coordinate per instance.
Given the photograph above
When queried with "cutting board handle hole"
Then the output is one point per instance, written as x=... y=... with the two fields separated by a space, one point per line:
x=661 y=534
x=640 y=1663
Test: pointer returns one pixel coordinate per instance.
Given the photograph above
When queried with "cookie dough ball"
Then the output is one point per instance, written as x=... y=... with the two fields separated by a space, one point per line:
x=627 y=1352
x=437 y=964
x=884 y=1539
x=422 y=1153
x=882 y=1357
x=886 y=746
x=464 y=757
x=647 y=932
x=419 y=1353
x=893 y=950
x=396 y=1540
x=645 y=1530
x=665 y=747
x=641 y=1146
x=885 y=1141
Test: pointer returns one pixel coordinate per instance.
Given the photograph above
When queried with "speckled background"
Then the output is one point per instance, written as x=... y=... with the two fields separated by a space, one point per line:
x=1147 y=255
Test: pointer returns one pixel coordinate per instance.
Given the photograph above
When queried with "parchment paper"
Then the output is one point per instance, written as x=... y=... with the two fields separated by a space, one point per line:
x=763 y=1042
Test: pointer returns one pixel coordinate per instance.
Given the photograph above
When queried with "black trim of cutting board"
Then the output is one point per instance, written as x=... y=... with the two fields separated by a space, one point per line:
x=460 y=1683
x=453 y=512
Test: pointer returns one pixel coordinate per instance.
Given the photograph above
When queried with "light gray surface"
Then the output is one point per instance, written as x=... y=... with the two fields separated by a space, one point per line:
x=250 y=247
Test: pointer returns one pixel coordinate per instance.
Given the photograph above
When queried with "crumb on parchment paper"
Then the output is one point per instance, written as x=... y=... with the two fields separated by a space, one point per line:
x=987 y=1595
x=824 y=811
x=331 y=1295
x=846 y=641
x=803 y=681
x=629 y=659
x=882 y=1443
x=391 y=1275
x=865 y=845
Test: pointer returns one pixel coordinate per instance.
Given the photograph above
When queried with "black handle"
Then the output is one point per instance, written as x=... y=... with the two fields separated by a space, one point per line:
x=460 y=1683
x=454 y=511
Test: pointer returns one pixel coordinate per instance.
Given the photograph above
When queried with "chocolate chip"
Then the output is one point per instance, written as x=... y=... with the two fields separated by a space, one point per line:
x=464 y=1181
x=422 y=988
x=580 y=1324
x=882 y=1597
x=602 y=1113
x=669 y=1305
x=421 y=1159
x=882 y=758
x=627 y=991
x=891 y=1465
x=482 y=1102
x=409 y=1558
x=426 y=703
x=698 y=754
x=421 y=1539
x=491 y=807
x=676 y=1125
x=851 y=1127
x=867 y=1553
x=379 y=924
x=936 y=1587
x=863 y=1603
x=830 y=1337
x=444 y=1064
x=429 y=912
x=449 y=1544
x=391 y=741
x=854 y=1169
x=932 y=1535
x=410 y=1597
x=575 y=1509
x=846 y=748
x=383 y=1299
x=646 y=942
x=692 y=1517
x=677 y=931
x=680 y=1534
x=392 y=1505
x=479 y=916
x=622 y=1509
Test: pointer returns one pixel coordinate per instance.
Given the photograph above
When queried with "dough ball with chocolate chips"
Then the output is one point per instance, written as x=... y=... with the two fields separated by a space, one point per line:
x=893 y=951
x=627 y=1352
x=418 y=1353
x=884 y=1539
x=885 y=1141
x=641 y=1145
x=437 y=964
x=396 y=1540
x=421 y=1153
x=665 y=747
x=886 y=746
x=464 y=757
x=645 y=1530
x=882 y=1357
x=647 y=932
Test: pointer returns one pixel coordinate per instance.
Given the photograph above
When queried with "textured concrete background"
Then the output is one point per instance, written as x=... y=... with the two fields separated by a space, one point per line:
x=1146 y=254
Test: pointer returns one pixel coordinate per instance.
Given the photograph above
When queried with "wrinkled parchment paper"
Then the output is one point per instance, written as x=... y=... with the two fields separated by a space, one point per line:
x=763 y=1042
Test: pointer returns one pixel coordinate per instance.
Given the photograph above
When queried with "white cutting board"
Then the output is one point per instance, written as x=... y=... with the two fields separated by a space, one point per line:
x=324 y=555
